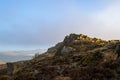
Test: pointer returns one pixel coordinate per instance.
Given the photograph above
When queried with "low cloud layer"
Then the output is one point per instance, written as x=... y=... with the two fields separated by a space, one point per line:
x=11 y=56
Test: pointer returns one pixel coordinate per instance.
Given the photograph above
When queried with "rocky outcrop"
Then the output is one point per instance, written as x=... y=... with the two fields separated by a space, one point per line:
x=78 y=57
x=70 y=39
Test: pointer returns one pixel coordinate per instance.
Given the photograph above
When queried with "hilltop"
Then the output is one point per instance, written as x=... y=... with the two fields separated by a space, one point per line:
x=77 y=57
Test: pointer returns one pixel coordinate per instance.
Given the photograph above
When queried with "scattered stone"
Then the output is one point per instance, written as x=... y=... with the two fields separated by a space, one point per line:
x=35 y=74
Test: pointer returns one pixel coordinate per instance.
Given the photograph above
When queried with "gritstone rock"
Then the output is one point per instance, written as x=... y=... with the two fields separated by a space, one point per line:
x=118 y=50
x=10 y=68
x=66 y=50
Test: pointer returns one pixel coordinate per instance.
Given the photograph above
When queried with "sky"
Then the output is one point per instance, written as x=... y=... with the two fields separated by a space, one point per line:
x=40 y=24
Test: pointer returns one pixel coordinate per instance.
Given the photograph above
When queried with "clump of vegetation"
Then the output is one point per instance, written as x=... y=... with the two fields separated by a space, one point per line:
x=110 y=56
x=62 y=78
x=5 y=77
x=91 y=58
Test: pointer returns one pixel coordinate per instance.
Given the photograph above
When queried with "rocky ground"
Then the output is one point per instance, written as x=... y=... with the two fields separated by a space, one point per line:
x=78 y=57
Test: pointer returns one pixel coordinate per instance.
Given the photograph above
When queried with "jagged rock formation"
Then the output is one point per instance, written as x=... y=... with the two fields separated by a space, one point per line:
x=78 y=57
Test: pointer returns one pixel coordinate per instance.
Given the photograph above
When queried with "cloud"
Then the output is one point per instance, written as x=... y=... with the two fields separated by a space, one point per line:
x=59 y=21
x=22 y=53
x=108 y=21
x=43 y=28
x=11 y=56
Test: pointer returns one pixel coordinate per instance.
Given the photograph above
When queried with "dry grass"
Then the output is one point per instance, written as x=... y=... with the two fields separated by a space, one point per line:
x=62 y=78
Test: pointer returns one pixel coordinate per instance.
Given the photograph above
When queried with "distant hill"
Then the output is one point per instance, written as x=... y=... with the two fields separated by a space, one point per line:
x=12 y=56
x=77 y=57
x=2 y=62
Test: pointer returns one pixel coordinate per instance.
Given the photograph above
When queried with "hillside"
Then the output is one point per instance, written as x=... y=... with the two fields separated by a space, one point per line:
x=78 y=57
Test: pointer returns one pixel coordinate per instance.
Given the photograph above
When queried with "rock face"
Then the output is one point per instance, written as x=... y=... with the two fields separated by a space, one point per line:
x=70 y=39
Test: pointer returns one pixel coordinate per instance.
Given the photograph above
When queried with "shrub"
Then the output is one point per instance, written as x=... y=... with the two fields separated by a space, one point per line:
x=5 y=77
x=62 y=78
x=110 y=56
x=91 y=58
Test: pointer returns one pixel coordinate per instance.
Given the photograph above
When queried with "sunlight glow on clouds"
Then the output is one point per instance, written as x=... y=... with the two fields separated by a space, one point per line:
x=39 y=26
x=108 y=21
x=28 y=24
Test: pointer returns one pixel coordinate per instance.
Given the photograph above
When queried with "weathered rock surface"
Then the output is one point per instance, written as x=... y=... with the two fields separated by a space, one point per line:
x=67 y=50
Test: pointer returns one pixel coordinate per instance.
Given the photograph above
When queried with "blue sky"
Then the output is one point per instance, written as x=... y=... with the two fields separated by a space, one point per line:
x=34 y=24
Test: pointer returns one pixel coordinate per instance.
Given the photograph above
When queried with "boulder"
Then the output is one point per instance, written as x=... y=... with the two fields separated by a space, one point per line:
x=67 y=50
x=55 y=50
x=10 y=68
x=118 y=50
x=35 y=73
